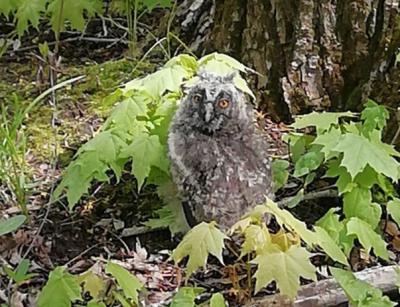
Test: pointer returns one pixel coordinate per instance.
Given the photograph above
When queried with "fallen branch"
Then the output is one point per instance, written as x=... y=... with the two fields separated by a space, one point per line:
x=309 y=196
x=328 y=292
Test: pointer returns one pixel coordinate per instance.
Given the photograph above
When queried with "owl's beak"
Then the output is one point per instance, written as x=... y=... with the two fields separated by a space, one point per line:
x=209 y=112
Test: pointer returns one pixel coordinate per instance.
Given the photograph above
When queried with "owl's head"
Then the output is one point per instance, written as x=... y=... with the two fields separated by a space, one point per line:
x=215 y=105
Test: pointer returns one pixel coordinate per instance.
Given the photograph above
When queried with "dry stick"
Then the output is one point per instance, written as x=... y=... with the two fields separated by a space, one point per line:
x=312 y=195
x=328 y=292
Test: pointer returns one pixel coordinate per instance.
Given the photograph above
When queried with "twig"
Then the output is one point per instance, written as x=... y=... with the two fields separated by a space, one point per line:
x=312 y=195
x=81 y=254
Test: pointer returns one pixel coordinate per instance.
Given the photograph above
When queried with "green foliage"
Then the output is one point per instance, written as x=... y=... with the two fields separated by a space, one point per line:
x=367 y=237
x=322 y=121
x=280 y=173
x=128 y=283
x=29 y=12
x=185 y=297
x=11 y=224
x=198 y=243
x=217 y=300
x=20 y=274
x=288 y=266
x=359 y=292
x=353 y=153
x=61 y=290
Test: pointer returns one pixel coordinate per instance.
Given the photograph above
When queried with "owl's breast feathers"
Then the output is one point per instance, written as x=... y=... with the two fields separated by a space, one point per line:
x=220 y=178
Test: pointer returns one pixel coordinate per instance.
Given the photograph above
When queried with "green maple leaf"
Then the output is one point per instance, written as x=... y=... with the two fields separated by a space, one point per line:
x=221 y=63
x=358 y=203
x=29 y=11
x=344 y=182
x=123 y=117
x=280 y=173
x=186 y=296
x=198 y=243
x=330 y=222
x=359 y=292
x=8 y=6
x=92 y=283
x=285 y=268
x=169 y=78
x=186 y=61
x=307 y=163
x=171 y=215
x=11 y=224
x=217 y=300
x=73 y=11
x=367 y=237
x=322 y=121
x=328 y=140
x=358 y=152
x=151 y=4
x=374 y=116
x=393 y=208
x=146 y=151
x=330 y=246
x=60 y=290
x=128 y=282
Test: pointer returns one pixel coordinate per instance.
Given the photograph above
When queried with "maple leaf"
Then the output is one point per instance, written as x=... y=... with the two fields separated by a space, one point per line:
x=280 y=173
x=7 y=7
x=366 y=153
x=198 y=243
x=29 y=11
x=92 y=283
x=128 y=282
x=359 y=292
x=374 y=116
x=146 y=151
x=284 y=217
x=358 y=203
x=393 y=208
x=186 y=296
x=285 y=268
x=166 y=79
x=73 y=11
x=60 y=290
x=329 y=141
x=322 y=121
x=256 y=239
x=330 y=246
x=367 y=237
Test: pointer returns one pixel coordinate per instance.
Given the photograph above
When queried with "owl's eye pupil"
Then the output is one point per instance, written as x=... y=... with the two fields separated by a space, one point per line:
x=223 y=103
x=197 y=98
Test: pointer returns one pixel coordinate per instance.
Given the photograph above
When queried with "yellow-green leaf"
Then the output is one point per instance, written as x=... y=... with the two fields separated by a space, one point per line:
x=367 y=237
x=285 y=268
x=198 y=243
x=284 y=217
x=60 y=290
x=329 y=246
x=128 y=282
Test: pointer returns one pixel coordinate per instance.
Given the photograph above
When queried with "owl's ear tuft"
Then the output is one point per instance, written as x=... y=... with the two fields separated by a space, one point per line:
x=187 y=85
x=229 y=78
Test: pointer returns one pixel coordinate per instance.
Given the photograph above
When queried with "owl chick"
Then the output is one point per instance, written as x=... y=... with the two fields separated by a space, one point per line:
x=218 y=157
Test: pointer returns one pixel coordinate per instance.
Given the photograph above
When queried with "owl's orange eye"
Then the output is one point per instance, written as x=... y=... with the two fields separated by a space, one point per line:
x=223 y=103
x=197 y=98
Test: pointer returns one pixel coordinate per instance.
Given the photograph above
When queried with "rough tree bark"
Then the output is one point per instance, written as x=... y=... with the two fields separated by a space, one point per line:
x=313 y=54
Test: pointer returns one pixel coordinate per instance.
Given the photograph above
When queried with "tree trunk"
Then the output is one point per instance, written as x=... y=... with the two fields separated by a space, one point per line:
x=313 y=54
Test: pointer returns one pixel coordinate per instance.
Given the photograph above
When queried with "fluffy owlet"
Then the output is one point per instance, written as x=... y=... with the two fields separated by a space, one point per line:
x=218 y=157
